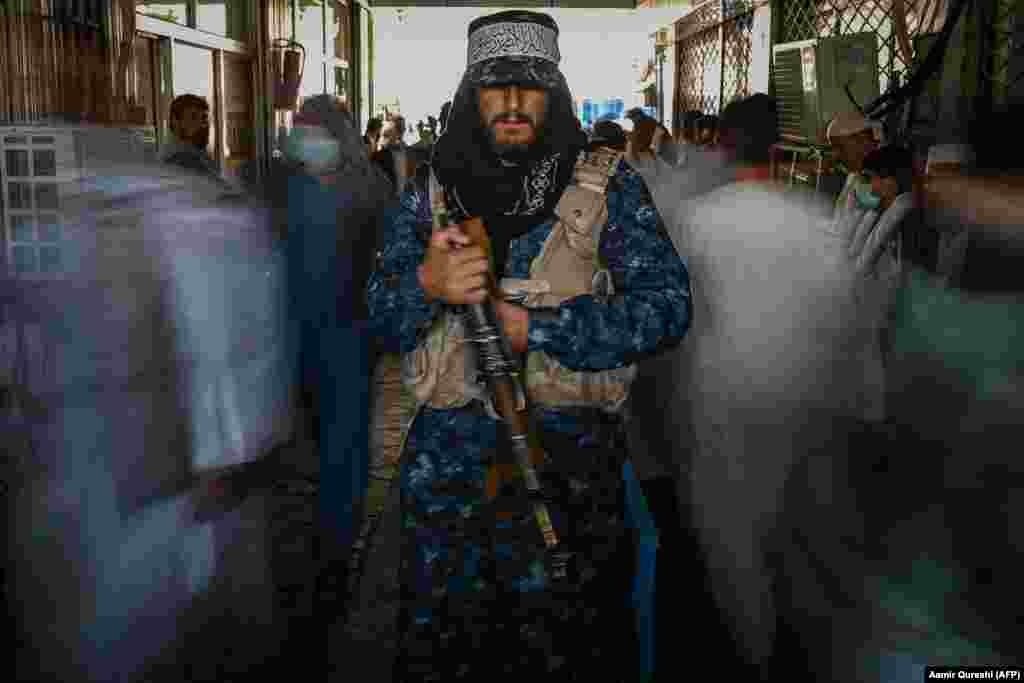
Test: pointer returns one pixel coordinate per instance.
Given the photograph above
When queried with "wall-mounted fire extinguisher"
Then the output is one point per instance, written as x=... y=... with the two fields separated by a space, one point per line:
x=289 y=60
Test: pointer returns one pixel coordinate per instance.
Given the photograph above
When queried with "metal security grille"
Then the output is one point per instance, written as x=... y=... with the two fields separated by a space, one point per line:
x=714 y=49
x=737 y=36
x=810 y=19
x=698 y=70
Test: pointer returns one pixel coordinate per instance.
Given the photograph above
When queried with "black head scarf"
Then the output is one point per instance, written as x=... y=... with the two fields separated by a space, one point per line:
x=510 y=197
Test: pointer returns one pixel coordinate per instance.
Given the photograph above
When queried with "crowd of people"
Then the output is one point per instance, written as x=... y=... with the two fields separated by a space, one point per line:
x=669 y=309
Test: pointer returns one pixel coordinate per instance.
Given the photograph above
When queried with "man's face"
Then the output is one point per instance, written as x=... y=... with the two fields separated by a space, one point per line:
x=193 y=126
x=852 y=149
x=513 y=117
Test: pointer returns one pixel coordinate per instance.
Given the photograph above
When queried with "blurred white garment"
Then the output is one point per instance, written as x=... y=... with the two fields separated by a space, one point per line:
x=170 y=357
x=769 y=363
x=873 y=246
x=770 y=368
x=227 y=298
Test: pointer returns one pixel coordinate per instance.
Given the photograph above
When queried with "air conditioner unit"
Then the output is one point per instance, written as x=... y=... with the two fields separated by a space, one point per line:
x=811 y=78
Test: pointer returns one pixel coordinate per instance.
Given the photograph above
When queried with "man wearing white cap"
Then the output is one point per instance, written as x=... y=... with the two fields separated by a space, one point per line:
x=852 y=137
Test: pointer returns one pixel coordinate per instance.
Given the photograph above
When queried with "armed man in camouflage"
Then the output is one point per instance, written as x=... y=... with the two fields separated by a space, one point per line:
x=591 y=286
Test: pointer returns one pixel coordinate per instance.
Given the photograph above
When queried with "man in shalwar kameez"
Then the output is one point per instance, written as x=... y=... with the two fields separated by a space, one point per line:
x=575 y=237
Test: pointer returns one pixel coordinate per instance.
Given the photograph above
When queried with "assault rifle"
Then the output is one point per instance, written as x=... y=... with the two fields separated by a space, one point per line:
x=507 y=392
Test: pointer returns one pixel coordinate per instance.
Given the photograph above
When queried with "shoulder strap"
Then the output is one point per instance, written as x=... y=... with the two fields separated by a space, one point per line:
x=594 y=170
x=438 y=205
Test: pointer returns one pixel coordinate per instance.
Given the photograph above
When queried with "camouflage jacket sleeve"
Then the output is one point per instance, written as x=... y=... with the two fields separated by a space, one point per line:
x=650 y=310
x=398 y=308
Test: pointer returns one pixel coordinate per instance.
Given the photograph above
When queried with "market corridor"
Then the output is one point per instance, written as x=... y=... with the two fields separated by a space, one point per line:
x=530 y=367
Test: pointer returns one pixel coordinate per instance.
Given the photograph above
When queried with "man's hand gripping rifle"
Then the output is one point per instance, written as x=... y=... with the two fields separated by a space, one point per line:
x=507 y=391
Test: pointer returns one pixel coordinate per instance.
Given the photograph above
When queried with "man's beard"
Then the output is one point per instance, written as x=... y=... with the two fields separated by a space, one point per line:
x=513 y=152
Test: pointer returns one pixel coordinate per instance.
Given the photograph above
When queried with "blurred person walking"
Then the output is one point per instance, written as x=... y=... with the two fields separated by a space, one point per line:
x=336 y=202
x=173 y=381
x=875 y=235
x=764 y=379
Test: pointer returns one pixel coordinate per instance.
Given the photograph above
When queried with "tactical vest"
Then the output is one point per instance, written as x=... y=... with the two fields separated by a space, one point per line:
x=441 y=371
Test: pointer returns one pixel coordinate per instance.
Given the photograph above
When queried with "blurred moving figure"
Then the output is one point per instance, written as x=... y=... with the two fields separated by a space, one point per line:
x=887 y=201
x=336 y=199
x=763 y=380
x=874 y=235
x=170 y=345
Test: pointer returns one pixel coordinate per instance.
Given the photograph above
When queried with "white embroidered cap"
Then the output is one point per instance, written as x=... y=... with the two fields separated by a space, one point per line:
x=513 y=34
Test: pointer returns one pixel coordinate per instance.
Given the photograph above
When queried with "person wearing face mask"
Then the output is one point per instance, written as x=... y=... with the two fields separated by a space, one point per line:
x=852 y=137
x=335 y=197
x=886 y=200
x=874 y=245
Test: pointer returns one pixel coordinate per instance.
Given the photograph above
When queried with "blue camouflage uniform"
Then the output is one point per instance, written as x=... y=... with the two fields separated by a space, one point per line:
x=450 y=541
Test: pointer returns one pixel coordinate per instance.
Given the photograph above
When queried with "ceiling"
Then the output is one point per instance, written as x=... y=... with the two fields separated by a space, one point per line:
x=521 y=4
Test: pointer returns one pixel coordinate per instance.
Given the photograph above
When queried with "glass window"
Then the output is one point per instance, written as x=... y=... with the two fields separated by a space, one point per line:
x=19 y=196
x=17 y=163
x=21 y=229
x=25 y=259
x=176 y=12
x=223 y=17
x=46 y=196
x=44 y=162
x=49 y=228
